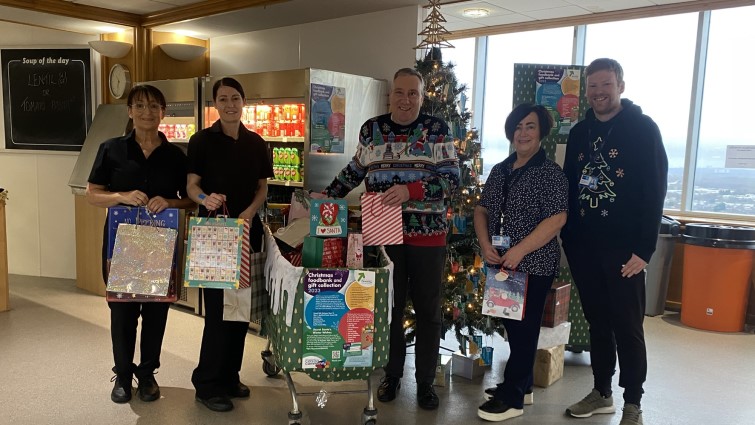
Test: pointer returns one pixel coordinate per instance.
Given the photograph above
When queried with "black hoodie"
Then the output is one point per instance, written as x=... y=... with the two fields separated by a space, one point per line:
x=623 y=208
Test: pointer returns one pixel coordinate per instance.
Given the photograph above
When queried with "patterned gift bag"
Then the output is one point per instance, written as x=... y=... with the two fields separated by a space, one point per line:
x=142 y=260
x=355 y=251
x=213 y=253
x=253 y=276
x=505 y=293
x=381 y=224
x=328 y=218
x=169 y=218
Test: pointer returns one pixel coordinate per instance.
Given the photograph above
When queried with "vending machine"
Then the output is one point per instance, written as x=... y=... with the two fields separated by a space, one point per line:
x=310 y=120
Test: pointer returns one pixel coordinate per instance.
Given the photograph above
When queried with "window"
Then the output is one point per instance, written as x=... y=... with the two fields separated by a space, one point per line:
x=463 y=56
x=552 y=46
x=658 y=63
x=720 y=187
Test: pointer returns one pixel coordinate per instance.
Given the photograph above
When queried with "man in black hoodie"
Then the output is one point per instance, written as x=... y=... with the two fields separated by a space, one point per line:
x=617 y=168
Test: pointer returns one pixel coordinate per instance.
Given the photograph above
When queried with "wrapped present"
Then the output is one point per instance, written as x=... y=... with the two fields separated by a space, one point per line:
x=142 y=261
x=322 y=252
x=214 y=247
x=549 y=366
x=355 y=251
x=505 y=293
x=443 y=371
x=555 y=336
x=381 y=224
x=557 y=304
x=328 y=218
x=467 y=366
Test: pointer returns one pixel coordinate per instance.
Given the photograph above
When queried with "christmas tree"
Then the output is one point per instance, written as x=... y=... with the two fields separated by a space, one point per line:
x=445 y=98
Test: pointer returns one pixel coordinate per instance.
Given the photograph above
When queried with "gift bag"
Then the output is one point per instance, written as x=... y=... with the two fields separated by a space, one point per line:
x=381 y=224
x=213 y=252
x=322 y=252
x=355 y=251
x=300 y=201
x=293 y=234
x=253 y=276
x=505 y=293
x=169 y=218
x=237 y=305
x=142 y=261
x=329 y=218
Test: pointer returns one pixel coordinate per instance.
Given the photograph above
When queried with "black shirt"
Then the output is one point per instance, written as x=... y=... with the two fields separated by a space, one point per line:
x=228 y=166
x=121 y=166
x=536 y=191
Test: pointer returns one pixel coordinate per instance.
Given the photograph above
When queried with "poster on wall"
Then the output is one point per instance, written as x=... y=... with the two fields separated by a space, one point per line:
x=561 y=89
x=47 y=98
x=327 y=119
x=339 y=318
x=558 y=90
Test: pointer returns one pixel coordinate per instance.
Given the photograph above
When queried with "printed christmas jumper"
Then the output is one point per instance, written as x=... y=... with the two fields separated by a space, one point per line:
x=624 y=167
x=420 y=155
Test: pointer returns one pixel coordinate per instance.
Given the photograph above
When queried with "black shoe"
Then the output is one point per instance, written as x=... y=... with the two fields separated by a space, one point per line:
x=389 y=385
x=238 y=391
x=121 y=393
x=529 y=397
x=217 y=403
x=497 y=411
x=147 y=388
x=426 y=397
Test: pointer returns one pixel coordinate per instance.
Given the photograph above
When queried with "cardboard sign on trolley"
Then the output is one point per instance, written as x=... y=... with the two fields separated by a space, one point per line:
x=339 y=318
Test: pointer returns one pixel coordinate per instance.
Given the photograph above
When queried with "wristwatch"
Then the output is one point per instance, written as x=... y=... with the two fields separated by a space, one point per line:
x=201 y=197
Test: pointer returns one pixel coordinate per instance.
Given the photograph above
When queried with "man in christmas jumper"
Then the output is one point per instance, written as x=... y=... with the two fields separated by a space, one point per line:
x=410 y=158
x=616 y=167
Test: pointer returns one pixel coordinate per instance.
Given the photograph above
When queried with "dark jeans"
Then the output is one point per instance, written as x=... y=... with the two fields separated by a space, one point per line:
x=523 y=336
x=418 y=274
x=614 y=307
x=222 y=349
x=124 y=319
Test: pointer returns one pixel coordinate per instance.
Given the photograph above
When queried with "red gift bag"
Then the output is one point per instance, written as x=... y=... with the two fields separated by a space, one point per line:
x=381 y=224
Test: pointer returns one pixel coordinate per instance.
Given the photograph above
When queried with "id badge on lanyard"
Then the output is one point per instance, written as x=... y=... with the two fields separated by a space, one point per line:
x=501 y=241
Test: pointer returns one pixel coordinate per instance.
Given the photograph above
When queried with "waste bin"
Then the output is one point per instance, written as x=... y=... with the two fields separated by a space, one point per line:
x=716 y=277
x=659 y=268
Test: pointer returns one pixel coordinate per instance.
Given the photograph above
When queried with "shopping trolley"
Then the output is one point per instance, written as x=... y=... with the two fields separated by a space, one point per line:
x=284 y=326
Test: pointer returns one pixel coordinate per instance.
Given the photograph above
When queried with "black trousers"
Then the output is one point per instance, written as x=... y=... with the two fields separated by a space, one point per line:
x=417 y=273
x=124 y=320
x=223 y=342
x=523 y=336
x=614 y=307
x=222 y=349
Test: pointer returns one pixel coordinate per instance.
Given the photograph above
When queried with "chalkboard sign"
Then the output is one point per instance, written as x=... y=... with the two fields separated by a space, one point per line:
x=47 y=98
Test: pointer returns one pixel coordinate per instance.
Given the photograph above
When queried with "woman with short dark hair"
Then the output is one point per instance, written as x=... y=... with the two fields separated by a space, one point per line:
x=141 y=169
x=522 y=208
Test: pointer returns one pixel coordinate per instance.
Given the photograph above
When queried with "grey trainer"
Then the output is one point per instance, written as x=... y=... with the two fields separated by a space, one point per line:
x=592 y=404
x=632 y=415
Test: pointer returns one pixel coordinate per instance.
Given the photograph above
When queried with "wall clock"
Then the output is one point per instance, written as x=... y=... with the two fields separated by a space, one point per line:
x=119 y=80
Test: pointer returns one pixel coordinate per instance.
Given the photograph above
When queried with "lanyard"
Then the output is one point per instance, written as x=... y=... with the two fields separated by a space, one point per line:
x=508 y=182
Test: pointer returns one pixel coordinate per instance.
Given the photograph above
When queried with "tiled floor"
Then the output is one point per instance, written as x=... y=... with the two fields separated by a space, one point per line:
x=55 y=362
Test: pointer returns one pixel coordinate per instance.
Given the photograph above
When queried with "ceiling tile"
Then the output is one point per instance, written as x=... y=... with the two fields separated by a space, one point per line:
x=598 y=6
x=558 y=12
x=528 y=5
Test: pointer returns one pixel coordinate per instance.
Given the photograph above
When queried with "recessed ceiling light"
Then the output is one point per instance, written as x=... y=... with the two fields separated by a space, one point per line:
x=476 y=12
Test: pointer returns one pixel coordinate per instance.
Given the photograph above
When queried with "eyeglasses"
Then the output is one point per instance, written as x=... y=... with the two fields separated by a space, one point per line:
x=153 y=107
